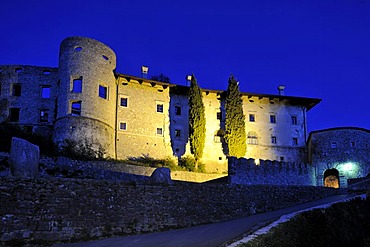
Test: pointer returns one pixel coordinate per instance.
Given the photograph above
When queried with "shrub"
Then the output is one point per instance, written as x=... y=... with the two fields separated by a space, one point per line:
x=188 y=162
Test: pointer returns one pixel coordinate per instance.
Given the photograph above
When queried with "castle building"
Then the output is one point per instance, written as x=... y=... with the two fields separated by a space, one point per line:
x=85 y=100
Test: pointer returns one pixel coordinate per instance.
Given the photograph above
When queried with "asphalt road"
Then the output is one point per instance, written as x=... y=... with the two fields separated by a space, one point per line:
x=211 y=235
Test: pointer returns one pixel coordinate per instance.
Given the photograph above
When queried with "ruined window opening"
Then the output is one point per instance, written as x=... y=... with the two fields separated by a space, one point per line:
x=123 y=126
x=219 y=116
x=272 y=118
x=103 y=92
x=294 y=120
x=159 y=108
x=252 y=118
x=14 y=114
x=17 y=90
x=334 y=145
x=177 y=133
x=124 y=102
x=252 y=138
x=159 y=131
x=45 y=92
x=273 y=139
x=78 y=48
x=178 y=110
x=77 y=85
x=76 y=108
x=44 y=115
x=295 y=141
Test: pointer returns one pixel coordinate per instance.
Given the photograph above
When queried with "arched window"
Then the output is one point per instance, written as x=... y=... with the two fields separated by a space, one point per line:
x=252 y=138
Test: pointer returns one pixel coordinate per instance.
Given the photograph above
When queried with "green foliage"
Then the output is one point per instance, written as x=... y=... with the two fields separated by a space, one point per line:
x=343 y=224
x=189 y=163
x=197 y=120
x=7 y=131
x=161 y=77
x=235 y=121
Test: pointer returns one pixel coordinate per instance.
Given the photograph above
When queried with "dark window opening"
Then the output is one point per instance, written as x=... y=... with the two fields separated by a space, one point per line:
x=178 y=110
x=44 y=116
x=124 y=102
x=18 y=70
x=17 y=90
x=159 y=131
x=272 y=119
x=219 y=116
x=77 y=85
x=105 y=57
x=177 y=133
x=160 y=108
x=294 y=120
x=295 y=141
x=123 y=126
x=46 y=72
x=45 y=92
x=252 y=118
x=103 y=92
x=76 y=108
x=273 y=139
x=14 y=114
x=78 y=48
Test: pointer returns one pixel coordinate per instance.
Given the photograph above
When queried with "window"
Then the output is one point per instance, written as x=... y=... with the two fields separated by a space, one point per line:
x=294 y=120
x=177 y=133
x=77 y=85
x=123 y=126
x=178 y=110
x=159 y=107
x=252 y=118
x=272 y=118
x=159 y=131
x=352 y=144
x=103 y=92
x=334 y=145
x=219 y=116
x=295 y=141
x=44 y=116
x=273 y=139
x=46 y=72
x=14 y=114
x=252 y=138
x=18 y=70
x=76 y=108
x=124 y=102
x=17 y=89
x=45 y=92
x=281 y=158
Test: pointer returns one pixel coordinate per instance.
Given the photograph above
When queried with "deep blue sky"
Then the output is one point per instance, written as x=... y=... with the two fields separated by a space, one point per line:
x=317 y=49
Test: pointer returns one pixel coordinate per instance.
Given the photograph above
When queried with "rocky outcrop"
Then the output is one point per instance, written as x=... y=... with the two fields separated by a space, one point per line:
x=24 y=159
x=161 y=176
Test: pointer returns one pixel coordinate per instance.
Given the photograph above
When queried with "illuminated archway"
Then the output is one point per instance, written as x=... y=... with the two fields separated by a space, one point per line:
x=331 y=178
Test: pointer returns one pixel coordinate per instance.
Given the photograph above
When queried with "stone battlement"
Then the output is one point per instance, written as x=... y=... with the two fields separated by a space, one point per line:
x=251 y=171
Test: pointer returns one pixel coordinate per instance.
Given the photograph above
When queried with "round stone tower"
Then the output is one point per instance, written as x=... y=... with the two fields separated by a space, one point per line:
x=86 y=103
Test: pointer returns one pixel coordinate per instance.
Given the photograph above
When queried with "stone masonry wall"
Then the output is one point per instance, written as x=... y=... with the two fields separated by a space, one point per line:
x=43 y=211
x=245 y=171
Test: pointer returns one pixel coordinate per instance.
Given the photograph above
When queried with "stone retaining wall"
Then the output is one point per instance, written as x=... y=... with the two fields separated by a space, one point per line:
x=44 y=211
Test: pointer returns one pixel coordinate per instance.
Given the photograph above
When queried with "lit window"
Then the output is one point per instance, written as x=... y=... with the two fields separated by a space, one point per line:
x=159 y=131
x=333 y=145
x=160 y=108
x=252 y=138
x=14 y=114
x=103 y=92
x=177 y=133
x=45 y=92
x=294 y=120
x=219 y=116
x=295 y=141
x=272 y=118
x=76 y=108
x=124 y=102
x=77 y=85
x=178 y=110
x=44 y=116
x=273 y=139
x=17 y=90
x=252 y=118
x=123 y=126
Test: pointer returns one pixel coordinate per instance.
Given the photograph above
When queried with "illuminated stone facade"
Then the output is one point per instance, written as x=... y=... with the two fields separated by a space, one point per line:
x=85 y=101
x=339 y=152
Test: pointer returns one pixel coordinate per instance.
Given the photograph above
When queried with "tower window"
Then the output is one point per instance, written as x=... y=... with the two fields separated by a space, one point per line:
x=76 y=108
x=103 y=92
x=123 y=126
x=273 y=139
x=45 y=92
x=272 y=118
x=295 y=141
x=44 y=116
x=77 y=85
x=178 y=110
x=294 y=120
x=160 y=131
x=159 y=107
x=124 y=102
x=252 y=118
x=177 y=133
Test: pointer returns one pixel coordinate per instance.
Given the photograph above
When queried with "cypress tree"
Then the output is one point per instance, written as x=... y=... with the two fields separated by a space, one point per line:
x=197 y=120
x=235 y=120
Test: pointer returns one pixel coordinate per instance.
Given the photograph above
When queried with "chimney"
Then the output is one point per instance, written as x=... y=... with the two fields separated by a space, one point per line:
x=281 y=90
x=144 y=71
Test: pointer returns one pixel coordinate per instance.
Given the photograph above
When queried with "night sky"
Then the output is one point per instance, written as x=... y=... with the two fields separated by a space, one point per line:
x=318 y=49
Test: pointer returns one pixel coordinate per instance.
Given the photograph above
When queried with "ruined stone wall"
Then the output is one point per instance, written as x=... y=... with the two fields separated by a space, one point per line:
x=250 y=171
x=31 y=101
x=345 y=149
x=60 y=210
